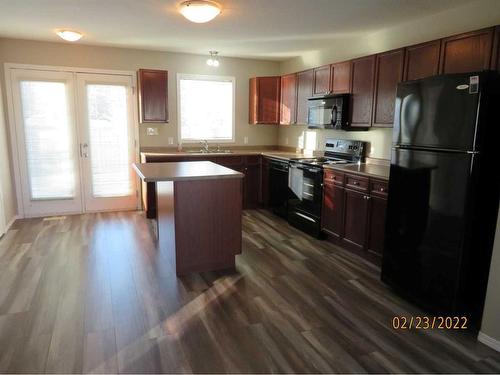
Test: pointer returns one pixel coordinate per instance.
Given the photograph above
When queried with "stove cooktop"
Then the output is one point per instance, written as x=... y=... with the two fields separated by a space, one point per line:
x=324 y=161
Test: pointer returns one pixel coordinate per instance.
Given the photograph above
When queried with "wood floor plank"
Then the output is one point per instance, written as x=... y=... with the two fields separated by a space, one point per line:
x=92 y=293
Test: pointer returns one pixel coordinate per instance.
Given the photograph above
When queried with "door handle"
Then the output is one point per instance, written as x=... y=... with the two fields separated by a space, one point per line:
x=84 y=150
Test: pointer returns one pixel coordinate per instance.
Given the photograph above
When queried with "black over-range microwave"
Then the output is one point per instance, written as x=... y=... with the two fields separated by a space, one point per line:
x=328 y=112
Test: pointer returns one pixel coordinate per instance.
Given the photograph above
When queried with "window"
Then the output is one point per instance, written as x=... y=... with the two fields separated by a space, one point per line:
x=206 y=108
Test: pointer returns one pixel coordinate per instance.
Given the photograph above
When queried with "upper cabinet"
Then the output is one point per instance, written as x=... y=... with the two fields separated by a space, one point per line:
x=341 y=77
x=264 y=100
x=363 y=77
x=495 y=58
x=153 y=95
x=467 y=52
x=388 y=73
x=422 y=60
x=304 y=92
x=322 y=80
x=288 y=102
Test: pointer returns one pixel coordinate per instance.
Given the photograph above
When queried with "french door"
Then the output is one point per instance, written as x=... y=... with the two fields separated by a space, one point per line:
x=75 y=141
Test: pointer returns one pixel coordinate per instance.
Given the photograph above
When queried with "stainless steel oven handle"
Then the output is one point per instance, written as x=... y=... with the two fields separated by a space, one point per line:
x=304 y=217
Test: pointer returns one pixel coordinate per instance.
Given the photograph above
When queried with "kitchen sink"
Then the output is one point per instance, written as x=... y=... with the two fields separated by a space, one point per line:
x=209 y=152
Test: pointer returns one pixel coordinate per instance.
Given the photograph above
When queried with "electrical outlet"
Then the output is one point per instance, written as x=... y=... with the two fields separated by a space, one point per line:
x=286 y=140
x=170 y=140
x=245 y=140
x=152 y=131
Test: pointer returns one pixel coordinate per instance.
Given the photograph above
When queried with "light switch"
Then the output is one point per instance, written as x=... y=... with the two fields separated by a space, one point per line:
x=152 y=131
x=245 y=140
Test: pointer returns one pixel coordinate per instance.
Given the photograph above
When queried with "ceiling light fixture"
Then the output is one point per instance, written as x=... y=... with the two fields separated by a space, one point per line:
x=70 y=36
x=200 y=11
x=214 y=59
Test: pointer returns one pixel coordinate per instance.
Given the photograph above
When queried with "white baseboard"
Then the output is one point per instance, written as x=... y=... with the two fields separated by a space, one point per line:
x=489 y=341
x=11 y=222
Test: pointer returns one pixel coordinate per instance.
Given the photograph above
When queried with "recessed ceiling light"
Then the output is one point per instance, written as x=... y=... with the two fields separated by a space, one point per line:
x=70 y=36
x=200 y=11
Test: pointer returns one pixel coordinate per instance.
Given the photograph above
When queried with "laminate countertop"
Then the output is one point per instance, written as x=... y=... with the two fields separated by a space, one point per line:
x=284 y=155
x=370 y=170
x=183 y=171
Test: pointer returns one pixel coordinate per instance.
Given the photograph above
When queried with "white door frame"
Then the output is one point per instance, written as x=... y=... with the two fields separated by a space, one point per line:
x=8 y=67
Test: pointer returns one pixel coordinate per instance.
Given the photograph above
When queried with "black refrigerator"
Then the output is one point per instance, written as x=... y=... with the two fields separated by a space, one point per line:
x=444 y=192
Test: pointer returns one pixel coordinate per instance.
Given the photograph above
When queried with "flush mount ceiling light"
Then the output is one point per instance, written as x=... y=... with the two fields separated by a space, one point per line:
x=213 y=60
x=70 y=36
x=200 y=11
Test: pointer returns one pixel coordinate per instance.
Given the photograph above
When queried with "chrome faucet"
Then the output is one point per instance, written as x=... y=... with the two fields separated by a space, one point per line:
x=204 y=145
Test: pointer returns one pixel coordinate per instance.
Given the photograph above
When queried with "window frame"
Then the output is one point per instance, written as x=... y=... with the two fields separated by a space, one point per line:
x=204 y=77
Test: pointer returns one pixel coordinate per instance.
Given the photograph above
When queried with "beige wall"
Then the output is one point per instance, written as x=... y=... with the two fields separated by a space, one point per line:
x=77 y=55
x=6 y=186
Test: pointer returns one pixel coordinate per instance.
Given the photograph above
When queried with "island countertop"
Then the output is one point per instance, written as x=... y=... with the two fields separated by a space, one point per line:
x=183 y=171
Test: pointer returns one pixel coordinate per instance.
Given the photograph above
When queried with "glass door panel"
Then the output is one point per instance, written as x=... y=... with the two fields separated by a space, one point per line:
x=47 y=141
x=108 y=147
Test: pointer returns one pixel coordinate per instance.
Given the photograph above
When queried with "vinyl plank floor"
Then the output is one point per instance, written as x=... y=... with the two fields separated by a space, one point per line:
x=92 y=293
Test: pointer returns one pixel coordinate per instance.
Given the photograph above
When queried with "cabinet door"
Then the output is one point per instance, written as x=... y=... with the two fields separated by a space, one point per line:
x=304 y=92
x=363 y=74
x=264 y=182
x=251 y=186
x=332 y=216
x=288 y=102
x=389 y=72
x=322 y=80
x=153 y=95
x=468 y=52
x=355 y=217
x=341 y=78
x=264 y=98
x=376 y=230
x=495 y=58
x=422 y=60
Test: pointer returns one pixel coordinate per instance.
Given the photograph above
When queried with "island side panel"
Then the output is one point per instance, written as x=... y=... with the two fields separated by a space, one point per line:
x=165 y=218
x=208 y=215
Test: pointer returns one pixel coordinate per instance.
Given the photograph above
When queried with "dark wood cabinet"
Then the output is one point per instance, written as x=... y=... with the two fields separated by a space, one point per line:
x=322 y=80
x=422 y=60
x=288 y=99
x=341 y=77
x=332 y=216
x=376 y=228
x=495 y=57
x=264 y=182
x=363 y=77
x=467 y=52
x=251 y=187
x=304 y=92
x=355 y=218
x=153 y=95
x=264 y=100
x=388 y=73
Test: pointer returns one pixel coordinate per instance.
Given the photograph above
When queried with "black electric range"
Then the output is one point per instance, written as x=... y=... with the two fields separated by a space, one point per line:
x=305 y=182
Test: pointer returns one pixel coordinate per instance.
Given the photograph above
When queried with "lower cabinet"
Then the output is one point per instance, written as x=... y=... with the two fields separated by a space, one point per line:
x=356 y=218
x=354 y=212
x=249 y=165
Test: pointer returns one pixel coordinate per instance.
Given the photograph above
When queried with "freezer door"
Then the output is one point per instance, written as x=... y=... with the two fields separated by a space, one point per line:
x=438 y=112
x=426 y=224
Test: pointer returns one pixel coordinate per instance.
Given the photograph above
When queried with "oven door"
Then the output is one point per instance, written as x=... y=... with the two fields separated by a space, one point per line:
x=305 y=192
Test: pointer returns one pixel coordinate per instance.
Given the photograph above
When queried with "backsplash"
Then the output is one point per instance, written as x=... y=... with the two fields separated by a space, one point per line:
x=299 y=136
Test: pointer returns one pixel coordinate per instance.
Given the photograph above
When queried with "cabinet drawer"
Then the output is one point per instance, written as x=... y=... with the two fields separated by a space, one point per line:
x=379 y=187
x=356 y=182
x=230 y=160
x=333 y=177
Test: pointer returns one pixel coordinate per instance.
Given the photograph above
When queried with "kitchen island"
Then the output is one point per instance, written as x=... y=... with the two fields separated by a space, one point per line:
x=199 y=206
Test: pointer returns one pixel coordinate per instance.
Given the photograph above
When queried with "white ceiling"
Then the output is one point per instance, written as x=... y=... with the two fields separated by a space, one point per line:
x=270 y=29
